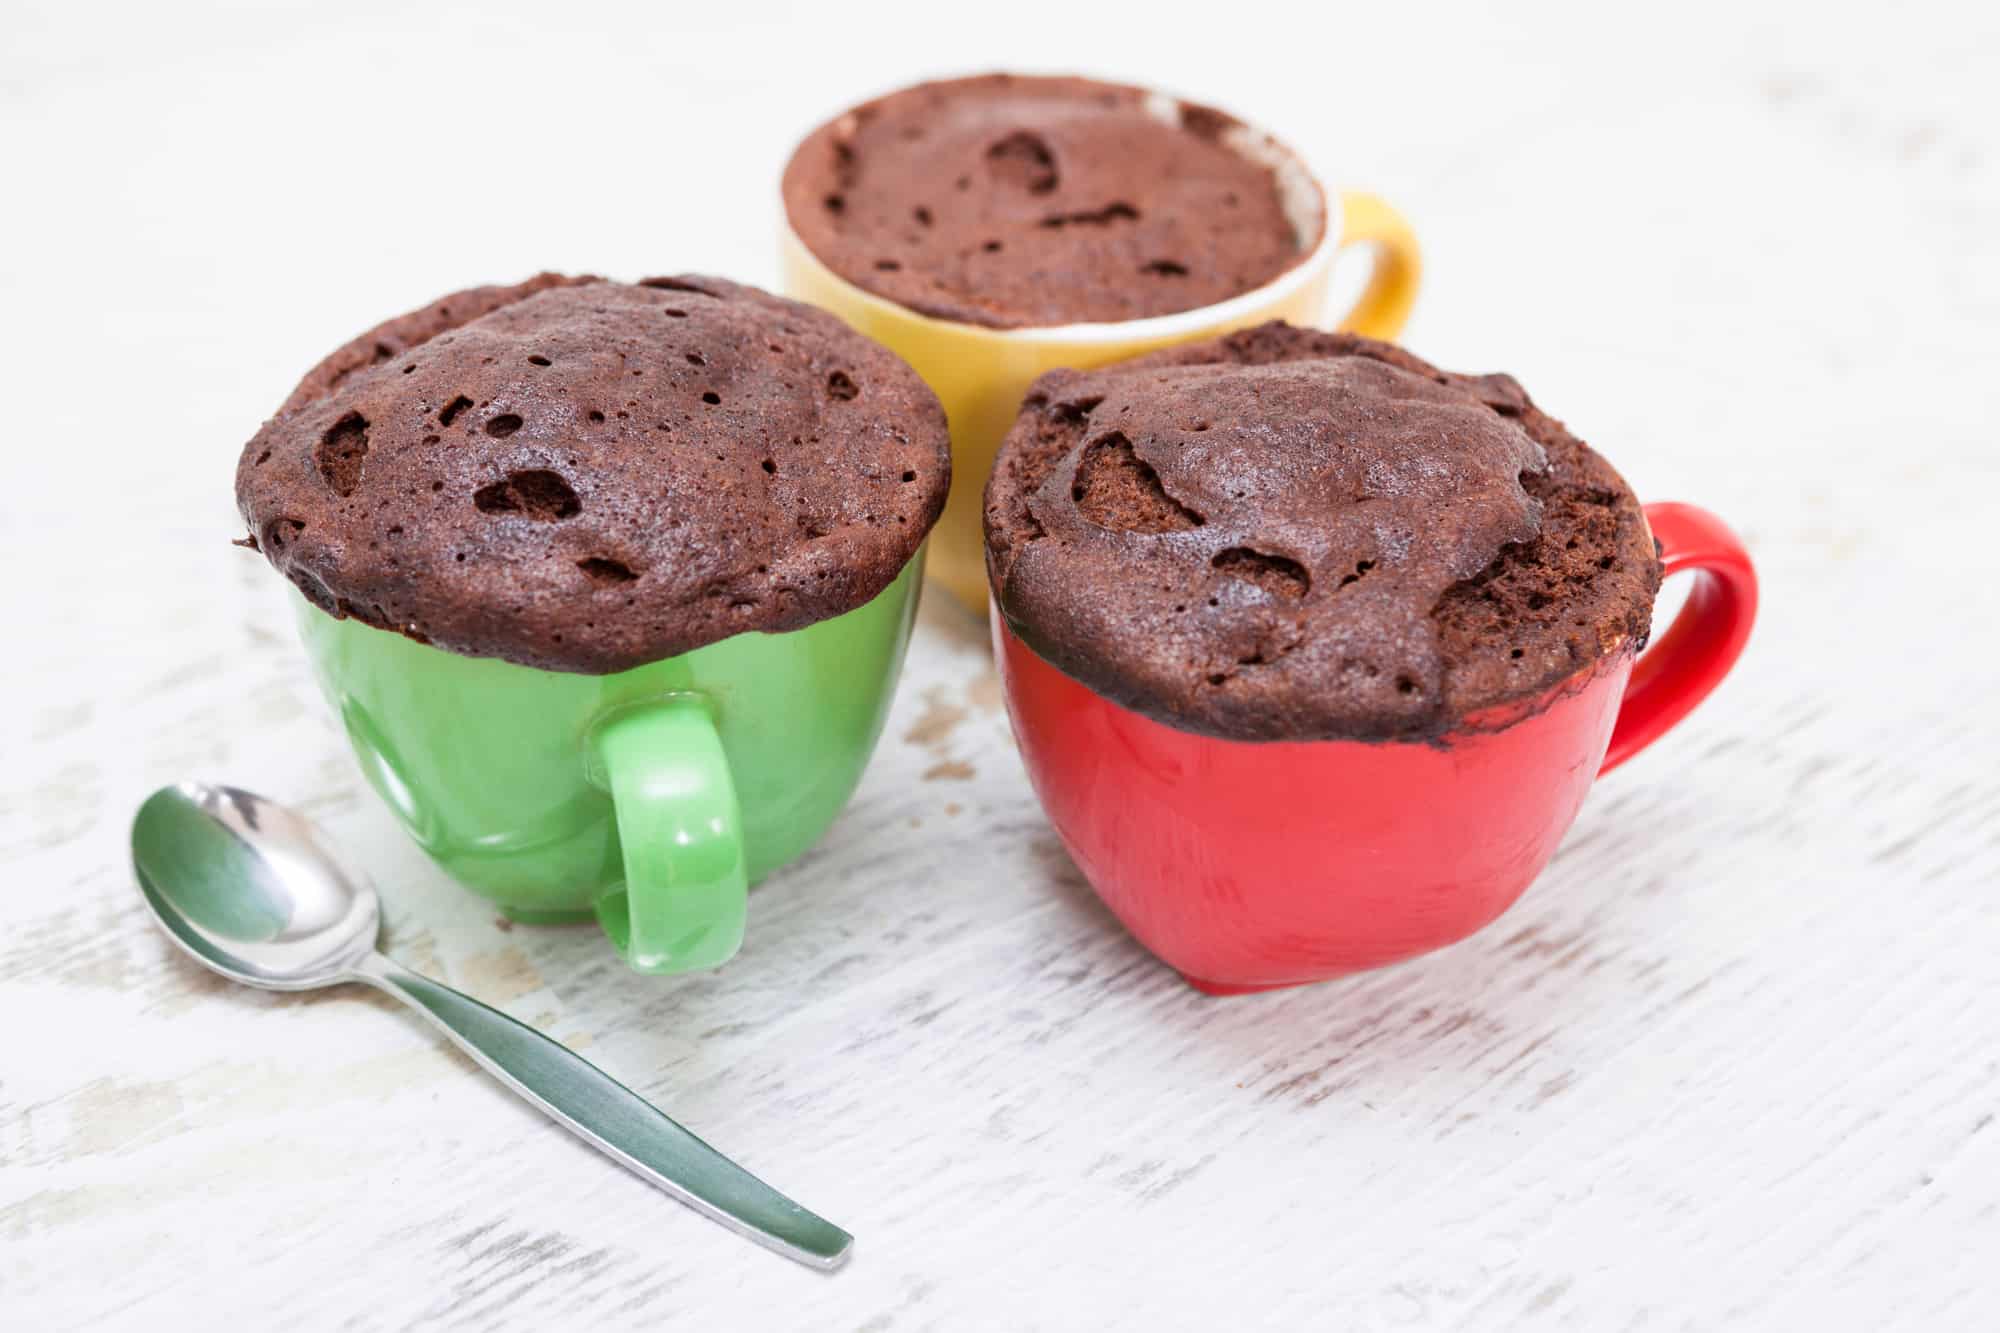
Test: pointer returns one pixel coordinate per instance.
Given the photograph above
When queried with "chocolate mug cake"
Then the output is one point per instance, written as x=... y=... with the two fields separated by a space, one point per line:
x=608 y=584
x=1313 y=650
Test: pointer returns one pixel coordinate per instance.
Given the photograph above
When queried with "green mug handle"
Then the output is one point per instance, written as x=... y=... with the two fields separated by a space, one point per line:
x=680 y=831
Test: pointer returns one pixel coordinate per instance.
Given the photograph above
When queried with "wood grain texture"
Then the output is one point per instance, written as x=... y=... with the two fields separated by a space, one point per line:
x=1733 y=1063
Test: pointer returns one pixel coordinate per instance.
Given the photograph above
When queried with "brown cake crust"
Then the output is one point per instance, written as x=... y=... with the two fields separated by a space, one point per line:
x=1014 y=201
x=1286 y=534
x=587 y=476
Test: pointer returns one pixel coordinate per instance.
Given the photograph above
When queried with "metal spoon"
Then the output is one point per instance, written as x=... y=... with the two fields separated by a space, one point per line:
x=247 y=887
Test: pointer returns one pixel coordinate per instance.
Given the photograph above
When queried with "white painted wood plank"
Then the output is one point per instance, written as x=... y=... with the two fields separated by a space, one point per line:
x=1734 y=1061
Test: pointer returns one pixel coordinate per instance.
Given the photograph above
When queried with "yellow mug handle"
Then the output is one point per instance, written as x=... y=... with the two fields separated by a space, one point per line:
x=1385 y=303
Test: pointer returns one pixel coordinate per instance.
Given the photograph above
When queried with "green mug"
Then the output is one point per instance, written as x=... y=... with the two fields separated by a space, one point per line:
x=649 y=798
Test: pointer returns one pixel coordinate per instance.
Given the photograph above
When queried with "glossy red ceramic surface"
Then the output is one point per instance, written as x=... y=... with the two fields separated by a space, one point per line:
x=1249 y=866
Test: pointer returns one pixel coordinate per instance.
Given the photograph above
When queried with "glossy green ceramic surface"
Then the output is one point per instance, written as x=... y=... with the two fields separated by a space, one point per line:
x=725 y=763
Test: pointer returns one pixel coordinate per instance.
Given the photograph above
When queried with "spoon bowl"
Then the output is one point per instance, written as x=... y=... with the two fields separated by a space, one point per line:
x=247 y=887
x=250 y=889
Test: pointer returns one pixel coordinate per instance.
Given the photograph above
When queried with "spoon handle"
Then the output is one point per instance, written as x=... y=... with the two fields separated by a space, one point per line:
x=603 y=1112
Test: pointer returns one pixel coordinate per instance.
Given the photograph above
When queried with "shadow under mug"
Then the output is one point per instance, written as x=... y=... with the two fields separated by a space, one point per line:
x=650 y=798
x=980 y=374
x=1254 y=866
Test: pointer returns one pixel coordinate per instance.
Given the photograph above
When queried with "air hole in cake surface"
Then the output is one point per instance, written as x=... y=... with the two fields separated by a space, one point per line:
x=922 y=215
x=593 y=416
x=409 y=369
x=671 y=313
x=1164 y=268
x=712 y=398
x=1118 y=490
x=677 y=285
x=1275 y=574
x=535 y=493
x=540 y=361
x=1116 y=211
x=1205 y=122
x=502 y=426
x=1404 y=685
x=840 y=385
x=993 y=247
x=770 y=467
x=452 y=409
x=909 y=476
x=279 y=531
x=1359 y=570
x=889 y=265
x=262 y=458
x=431 y=439
x=1076 y=411
x=696 y=359
x=604 y=571
x=1022 y=160
x=341 y=451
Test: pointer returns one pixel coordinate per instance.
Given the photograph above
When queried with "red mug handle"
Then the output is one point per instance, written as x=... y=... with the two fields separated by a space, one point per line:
x=1704 y=641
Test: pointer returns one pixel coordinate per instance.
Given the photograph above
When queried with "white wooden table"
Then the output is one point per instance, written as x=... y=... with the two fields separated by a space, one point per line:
x=1734 y=1061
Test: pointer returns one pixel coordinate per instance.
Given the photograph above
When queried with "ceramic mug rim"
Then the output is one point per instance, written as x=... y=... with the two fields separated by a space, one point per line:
x=1252 y=141
x=1498 y=717
x=297 y=595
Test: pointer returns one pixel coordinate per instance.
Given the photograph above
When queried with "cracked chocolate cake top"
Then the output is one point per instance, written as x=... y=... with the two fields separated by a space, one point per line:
x=1015 y=201
x=587 y=476
x=1285 y=534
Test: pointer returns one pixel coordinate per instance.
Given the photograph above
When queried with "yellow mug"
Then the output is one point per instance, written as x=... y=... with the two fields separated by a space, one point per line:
x=981 y=374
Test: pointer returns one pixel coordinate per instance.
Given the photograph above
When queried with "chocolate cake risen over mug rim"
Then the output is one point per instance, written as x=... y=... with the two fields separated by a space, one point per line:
x=1285 y=534
x=588 y=476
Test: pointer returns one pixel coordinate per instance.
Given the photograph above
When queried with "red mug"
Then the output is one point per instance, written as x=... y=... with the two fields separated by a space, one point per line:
x=1250 y=866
